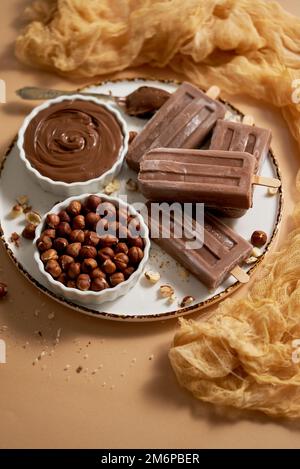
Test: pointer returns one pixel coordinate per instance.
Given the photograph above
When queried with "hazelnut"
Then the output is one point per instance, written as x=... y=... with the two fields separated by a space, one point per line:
x=135 y=254
x=49 y=255
x=92 y=202
x=3 y=290
x=33 y=217
x=98 y=273
x=44 y=243
x=78 y=222
x=64 y=216
x=187 y=301
x=16 y=211
x=108 y=266
x=65 y=261
x=29 y=231
x=50 y=232
x=60 y=244
x=71 y=284
x=52 y=220
x=258 y=238
x=91 y=220
x=112 y=187
x=53 y=268
x=128 y=271
x=105 y=253
x=88 y=252
x=88 y=265
x=83 y=282
x=63 y=278
x=91 y=238
x=74 y=208
x=99 y=284
x=153 y=277
x=116 y=278
x=63 y=229
x=77 y=236
x=121 y=260
x=166 y=291
x=74 y=270
x=136 y=241
x=73 y=249
x=122 y=247
x=108 y=240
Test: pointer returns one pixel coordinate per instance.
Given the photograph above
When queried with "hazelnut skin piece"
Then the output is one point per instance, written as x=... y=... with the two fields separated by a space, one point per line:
x=53 y=268
x=83 y=282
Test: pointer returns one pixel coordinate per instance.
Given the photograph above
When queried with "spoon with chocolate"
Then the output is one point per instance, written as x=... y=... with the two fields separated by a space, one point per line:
x=143 y=102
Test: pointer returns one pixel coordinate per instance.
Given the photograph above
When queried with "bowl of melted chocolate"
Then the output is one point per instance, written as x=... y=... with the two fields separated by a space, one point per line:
x=73 y=144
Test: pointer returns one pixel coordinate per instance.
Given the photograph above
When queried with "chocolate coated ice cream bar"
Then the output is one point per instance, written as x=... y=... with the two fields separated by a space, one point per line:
x=219 y=179
x=183 y=121
x=220 y=255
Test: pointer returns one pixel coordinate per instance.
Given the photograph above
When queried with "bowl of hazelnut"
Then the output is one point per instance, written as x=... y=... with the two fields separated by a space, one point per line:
x=92 y=248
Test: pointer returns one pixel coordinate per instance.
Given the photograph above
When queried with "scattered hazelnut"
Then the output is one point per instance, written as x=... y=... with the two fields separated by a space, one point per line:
x=256 y=252
x=34 y=218
x=112 y=187
x=63 y=229
x=49 y=255
x=53 y=268
x=15 y=239
x=44 y=243
x=83 y=282
x=74 y=208
x=29 y=231
x=99 y=284
x=73 y=249
x=153 y=277
x=65 y=261
x=91 y=220
x=258 y=238
x=64 y=216
x=105 y=253
x=166 y=291
x=132 y=135
x=71 y=284
x=121 y=260
x=78 y=222
x=186 y=301
x=74 y=270
x=91 y=238
x=88 y=252
x=88 y=265
x=116 y=278
x=77 y=236
x=60 y=244
x=16 y=211
x=109 y=266
x=93 y=201
x=98 y=273
x=135 y=255
x=3 y=290
x=131 y=185
x=50 y=232
x=52 y=220
x=122 y=247
x=128 y=271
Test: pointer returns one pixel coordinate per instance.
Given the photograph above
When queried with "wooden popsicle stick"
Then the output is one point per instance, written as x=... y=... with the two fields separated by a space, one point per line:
x=213 y=92
x=240 y=274
x=265 y=181
x=248 y=120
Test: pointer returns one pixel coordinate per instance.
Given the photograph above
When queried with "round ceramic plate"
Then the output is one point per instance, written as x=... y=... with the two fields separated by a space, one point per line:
x=143 y=301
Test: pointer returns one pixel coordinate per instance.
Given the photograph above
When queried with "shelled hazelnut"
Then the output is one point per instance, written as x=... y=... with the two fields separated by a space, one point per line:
x=88 y=245
x=29 y=231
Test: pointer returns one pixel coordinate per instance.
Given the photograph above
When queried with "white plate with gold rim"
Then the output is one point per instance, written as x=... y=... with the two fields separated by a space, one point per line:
x=143 y=301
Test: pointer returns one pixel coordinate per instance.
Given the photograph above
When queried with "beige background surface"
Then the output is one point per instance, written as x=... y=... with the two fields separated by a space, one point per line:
x=133 y=400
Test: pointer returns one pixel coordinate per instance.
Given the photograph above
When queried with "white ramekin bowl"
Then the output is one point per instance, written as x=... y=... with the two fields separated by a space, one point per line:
x=61 y=188
x=88 y=298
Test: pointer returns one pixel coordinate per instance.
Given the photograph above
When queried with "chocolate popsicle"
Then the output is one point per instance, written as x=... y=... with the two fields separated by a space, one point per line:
x=235 y=136
x=183 y=121
x=222 y=251
x=219 y=179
